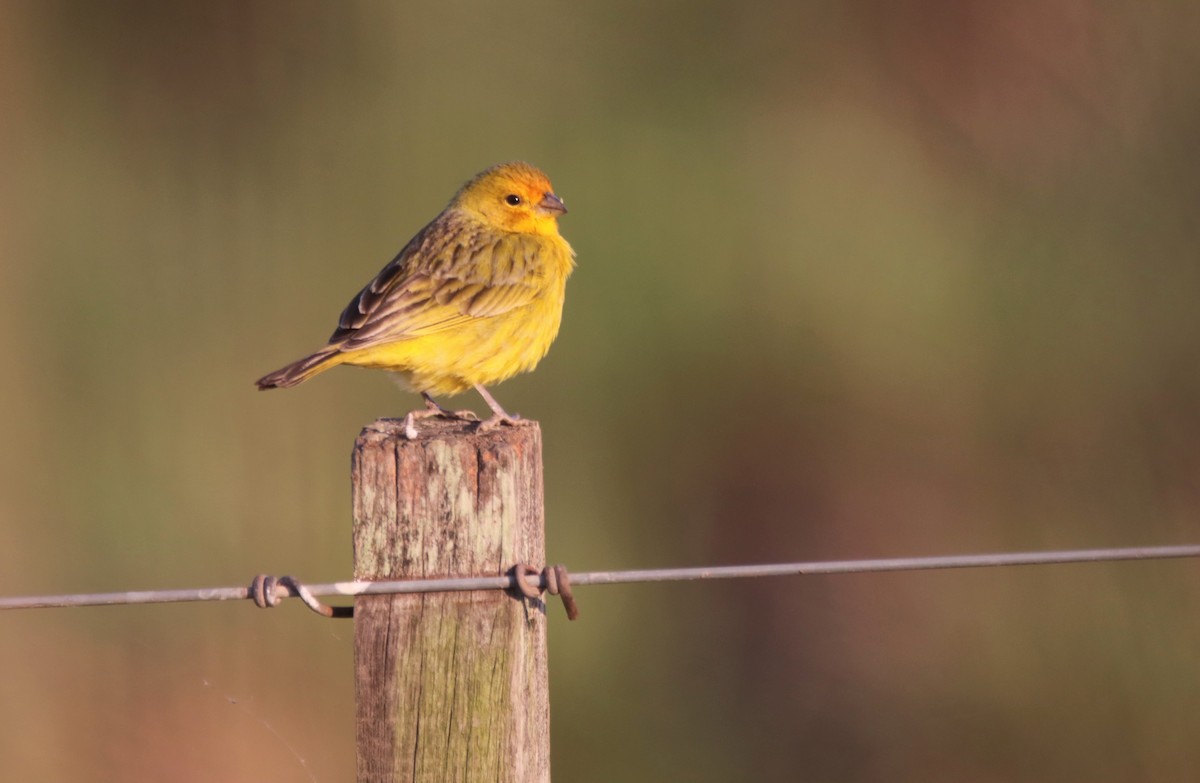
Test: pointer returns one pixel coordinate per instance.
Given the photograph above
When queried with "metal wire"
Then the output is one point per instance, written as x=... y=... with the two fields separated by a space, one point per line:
x=615 y=577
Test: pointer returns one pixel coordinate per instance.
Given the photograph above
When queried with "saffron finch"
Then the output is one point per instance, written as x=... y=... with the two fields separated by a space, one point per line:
x=473 y=299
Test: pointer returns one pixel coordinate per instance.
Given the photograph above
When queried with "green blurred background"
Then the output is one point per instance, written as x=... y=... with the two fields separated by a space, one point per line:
x=855 y=279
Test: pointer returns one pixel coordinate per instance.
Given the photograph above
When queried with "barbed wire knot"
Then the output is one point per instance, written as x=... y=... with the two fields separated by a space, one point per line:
x=267 y=591
x=558 y=582
x=552 y=579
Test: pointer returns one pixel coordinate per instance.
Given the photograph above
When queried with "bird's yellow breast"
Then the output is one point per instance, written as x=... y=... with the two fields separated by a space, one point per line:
x=482 y=350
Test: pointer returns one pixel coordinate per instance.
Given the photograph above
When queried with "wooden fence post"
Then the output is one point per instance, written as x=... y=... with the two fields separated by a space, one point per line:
x=449 y=686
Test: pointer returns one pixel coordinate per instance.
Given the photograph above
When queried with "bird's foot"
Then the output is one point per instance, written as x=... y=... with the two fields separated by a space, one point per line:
x=431 y=410
x=499 y=420
x=499 y=416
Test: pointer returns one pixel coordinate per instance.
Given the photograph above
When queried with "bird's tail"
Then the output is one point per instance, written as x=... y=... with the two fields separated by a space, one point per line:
x=301 y=370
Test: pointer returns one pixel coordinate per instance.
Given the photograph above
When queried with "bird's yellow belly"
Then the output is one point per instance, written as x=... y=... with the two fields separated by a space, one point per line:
x=483 y=351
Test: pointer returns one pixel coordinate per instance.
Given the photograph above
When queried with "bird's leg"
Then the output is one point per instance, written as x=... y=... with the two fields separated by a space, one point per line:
x=432 y=409
x=499 y=415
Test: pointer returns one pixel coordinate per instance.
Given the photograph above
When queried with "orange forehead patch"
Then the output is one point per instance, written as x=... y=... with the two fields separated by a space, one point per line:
x=516 y=173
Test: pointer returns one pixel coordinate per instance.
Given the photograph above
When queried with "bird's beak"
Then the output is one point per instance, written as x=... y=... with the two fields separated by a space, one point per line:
x=552 y=204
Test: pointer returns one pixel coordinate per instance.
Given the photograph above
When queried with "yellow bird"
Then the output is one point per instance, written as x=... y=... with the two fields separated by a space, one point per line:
x=473 y=299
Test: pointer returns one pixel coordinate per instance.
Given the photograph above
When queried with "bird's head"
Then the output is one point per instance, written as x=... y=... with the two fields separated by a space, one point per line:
x=513 y=197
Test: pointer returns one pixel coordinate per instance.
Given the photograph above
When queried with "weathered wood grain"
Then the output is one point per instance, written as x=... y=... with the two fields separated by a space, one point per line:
x=453 y=686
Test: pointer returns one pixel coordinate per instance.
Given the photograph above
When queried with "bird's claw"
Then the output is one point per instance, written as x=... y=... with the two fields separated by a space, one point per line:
x=410 y=418
x=431 y=410
x=498 y=420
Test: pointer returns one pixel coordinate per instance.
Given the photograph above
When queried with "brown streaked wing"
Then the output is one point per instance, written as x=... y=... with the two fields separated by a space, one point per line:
x=441 y=279
x=426 y=249
x=498 y=299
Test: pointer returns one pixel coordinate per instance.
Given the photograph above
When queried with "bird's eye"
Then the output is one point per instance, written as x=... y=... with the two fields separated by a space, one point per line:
x=512 y=199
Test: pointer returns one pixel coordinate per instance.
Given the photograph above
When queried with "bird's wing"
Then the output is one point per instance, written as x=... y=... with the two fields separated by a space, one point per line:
x=446 y=276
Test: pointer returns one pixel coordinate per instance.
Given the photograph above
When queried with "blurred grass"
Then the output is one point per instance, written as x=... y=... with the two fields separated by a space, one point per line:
x=855 y=280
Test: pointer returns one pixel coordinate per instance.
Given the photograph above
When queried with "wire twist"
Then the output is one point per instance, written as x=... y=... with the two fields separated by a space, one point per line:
x=554 y=580
x=267 y=591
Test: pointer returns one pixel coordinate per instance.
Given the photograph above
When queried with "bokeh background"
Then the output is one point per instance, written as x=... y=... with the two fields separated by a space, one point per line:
x=856 y=279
